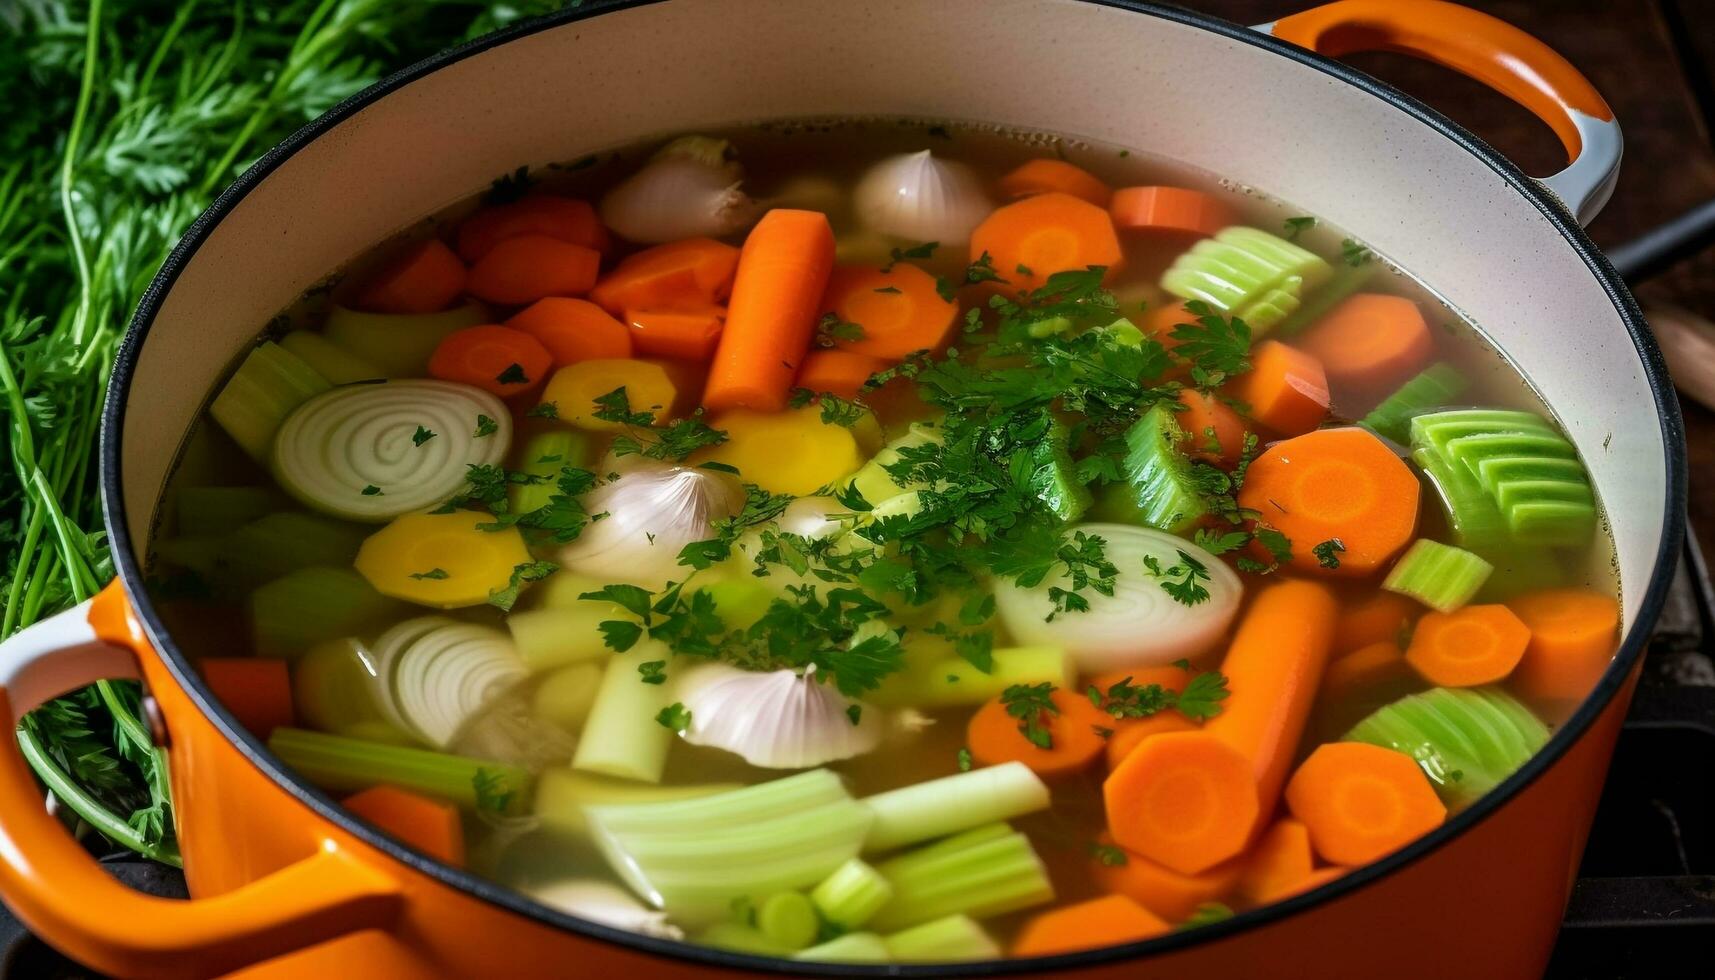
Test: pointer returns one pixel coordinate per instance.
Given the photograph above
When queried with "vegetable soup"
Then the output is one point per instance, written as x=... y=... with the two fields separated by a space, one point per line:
x=878 y=541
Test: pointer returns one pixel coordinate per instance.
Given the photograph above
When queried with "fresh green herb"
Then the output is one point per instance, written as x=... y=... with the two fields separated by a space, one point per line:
x=486 y=427
x=509 y=187
x=1219 y=542
x=1206 y=914
x=982 y=270
x=522 y=574
x=1123 y=699
x=1328 y=552
x=1108 y=854
x=674 y=441
x=855 y=713
x=895 y=290
x=675 y=717
x=513 y=375
x=964 y=760
x=1202 y=696
x=1298 y=226
x=947 y=289
x=433 y=574
x=923 y=251
x=371 y=490
x=546 y=410
x=421 y=436
x=492 y=793
x=653 y=671
x=1032 y=705
x=830 y=330
x=1355 y=253
x=1215 y=347
x=1183 y=580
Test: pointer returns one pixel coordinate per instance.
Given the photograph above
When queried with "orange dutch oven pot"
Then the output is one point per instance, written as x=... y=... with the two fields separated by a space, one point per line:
x=285 y=884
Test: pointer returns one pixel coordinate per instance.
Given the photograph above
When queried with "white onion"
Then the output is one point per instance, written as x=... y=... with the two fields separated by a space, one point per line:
x=776 y=720
x=433 y=674
x=689 y=189
x=344 y=441
x=815 y=517
x=608 y=904
x=1140 y=625
x=653 y=510
x=922 y=197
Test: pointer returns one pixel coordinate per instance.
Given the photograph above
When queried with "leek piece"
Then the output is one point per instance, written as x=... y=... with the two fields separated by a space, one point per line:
x=563 y=792
x=741 y=938
x=334 y=690
x=986 y=871
x=952 y=804
x=1438 y=575
x=544 y=455
x=873 y=481
x=853 y=947
x=1434 y=387
x=565 y=696
x=555 y=636
x=1476 y=521
x=398 y=344
x=1530 y=473
x=267 y=386
x=345 y=765
x=1466 y=740
x=1159 y=491
x=789 y=919
x=310 y=605
x=1055 y=482
x=954 y=681
x=852 y=894
x=954 y=938
x=272 y=546
x=221 y=510
x=330 y=360
x=622 y=736
x=1347 y=280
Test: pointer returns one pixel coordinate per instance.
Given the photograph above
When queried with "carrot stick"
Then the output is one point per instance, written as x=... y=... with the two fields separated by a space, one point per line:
x=1370 y=343
x=425 y=278
x=1285 y=390
x=525 y=268
x=573 y=330
x=1187 y=800
x=837 y=372
x=689 y=273
x=257 y=690
x=1168 y=209
x=782 y=271
x=1032 y=239
x=900 y=311
x=1168 y=893
x=1105 y=921
x=1362 y=801
x=1377 y=617
x=1055 y=176
x=994 y=736
x=1217 y=433
x=431 y=826
x=1572 y=637
x=686 y=334
x=494 y=358
x=1279 y=862
x=1468 y=647
x=1342 y=485
x=564 y=218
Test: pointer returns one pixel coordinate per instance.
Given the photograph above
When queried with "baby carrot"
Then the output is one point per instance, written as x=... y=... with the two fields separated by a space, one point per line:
x=995 y=736
x=782 y=272
x=1279 y=862
x=685 y=334
x=1104 y=921
x=1377 y=617
x=1361 y=802
x=1032 y=239
x=573 y=330
x=1051 y=176
x=1158 y=888
x=564 y=218
x=431 y=826
x=496 y=359
x=1217 y=434
x=525 y=268
x=1168 y=209
x=257 y=690
x=1468 y=647
x=899 y=311
x=1573 y=633
x=837 y=372
x=1187 y=800
x=1370 y=343
x=692 y=272
x=425 y=278
x=1285 y=390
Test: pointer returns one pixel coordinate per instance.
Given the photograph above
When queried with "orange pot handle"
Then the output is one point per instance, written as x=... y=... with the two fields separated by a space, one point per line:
x=62 y=894
x=1490 y=51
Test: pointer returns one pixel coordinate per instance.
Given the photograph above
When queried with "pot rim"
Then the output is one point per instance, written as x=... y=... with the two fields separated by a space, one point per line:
x=128 y=565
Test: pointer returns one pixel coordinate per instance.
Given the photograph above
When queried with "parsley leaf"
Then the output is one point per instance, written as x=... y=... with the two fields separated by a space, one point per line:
x=546 y=410
x=653 y=671
x=486 y=427
x=371 y=491
x=434 y=574
x=1219 y=542
x=513 y=375
x=964 y=760
x=675 y=717
x=1032 y=705
x=421 y=436
x=1216 y=347
x=1328 y=552
x=522 y=574
x=1108 y=855
x=1203 y=695
x=830 y=330
x=922 y=251
x=1354 y=252
x=1298 y=226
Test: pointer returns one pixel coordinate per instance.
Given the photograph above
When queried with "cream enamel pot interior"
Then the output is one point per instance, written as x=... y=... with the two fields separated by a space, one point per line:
x=291 y=886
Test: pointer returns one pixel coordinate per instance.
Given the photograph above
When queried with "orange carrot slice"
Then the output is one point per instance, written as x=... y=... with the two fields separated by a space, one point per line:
x=1340 y=485
x=1217 y=433
x=425 y=278
x=1377 y=617
x=1573 y=633
x=1468 y=647
x=686 y=334
x=1379 y=670
x=782 y=273
x=1370 y=343
x=494 y=358
x=900 y=311
x=1187 y=800
x=1168 y=209
x=567 y=219
x=994 y=737
x=1032 y=239
x=1158 y=888
x=1055 y=176
x=1128 y=735
x=838 y=372
x=257 y=690
x=690 y=273
x=1279 y=862
x=573 y=330
x=1104 y=921
x=1285 y=390
x=1361 y=802
x=525 y=268
x=431 y=826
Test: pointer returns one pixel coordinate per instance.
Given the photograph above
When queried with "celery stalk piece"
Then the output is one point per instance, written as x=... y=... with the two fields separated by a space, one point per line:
x=852 y=894
x=1159 y=490
x=398 y=343
x=1432 y=388
x=1055 y=481
x=951 y=804
x=622 y=736
x=1438 y=575
x=1466 y=740
x=544 y=455
x=332 y=361
x=872 y=479
x=788 y=918
x=221 y=510
x=347 y=764
x=986 y=871
x=954 y=938
x=955 y=682
x=562 y=793
x=311 y=605
x=276 y=544
x=741 y=938
x=853 y=947
x=269 y=383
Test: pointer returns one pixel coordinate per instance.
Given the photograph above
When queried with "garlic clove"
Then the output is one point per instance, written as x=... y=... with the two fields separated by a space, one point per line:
x=653 y=510
x=776 y=720
x=922 y=197
x=691 y=188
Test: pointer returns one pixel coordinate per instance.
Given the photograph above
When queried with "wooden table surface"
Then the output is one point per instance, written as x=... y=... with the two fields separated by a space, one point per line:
x=1654 y=61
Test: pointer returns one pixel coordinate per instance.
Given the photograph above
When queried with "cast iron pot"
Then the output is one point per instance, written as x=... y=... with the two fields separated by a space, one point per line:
x=285 y=884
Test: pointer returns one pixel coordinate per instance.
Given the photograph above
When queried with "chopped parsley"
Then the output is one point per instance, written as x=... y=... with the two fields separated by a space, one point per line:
x=513 y=375
x=1033 y=706
x=486 y=427
x=1206 y=914
x=522 y=574
x=546 y=410
x=433 y=574
x=653 y=671
x=675 y=717
x=1354 y=252
x=421 y=436
x=888 y=289
x=964 y=760
x=1328 y=552
x=923 y=251
x=1108 y=855
x=830 y=330
x=1183 y=580
x=371 y=491
x=854 y=712
x=1199 y=700
x=1298 y=226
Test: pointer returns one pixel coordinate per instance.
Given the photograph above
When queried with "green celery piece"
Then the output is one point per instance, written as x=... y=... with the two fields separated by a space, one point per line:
x=872 y=479
x=1438 y=428
x=1440 y=576
x=1476 y=522
x=1552 y=522
x=545 y=454
x=852 y=894
x=1471 y=450
x=1159 y=491
x=739 y=602
x=954 y=681
x=332 y=361
x=1274 y=305
x=956 y=938
x=789 y=919
x=1513 y=493
x=310 y=605
x=1498 y=470
x=269 y=383
x=562 y=794
x=1346 y=280
x=398 y=343
x=1524 y=466
x=953 y=804
x=346 y=765
x=1432 y=388
x=1246 y=272
x=741 y=938
x=271 y=546
x=1466 y=740
x=1055 y=480
x=987 y=871
x=853 y=947
x=220 y=510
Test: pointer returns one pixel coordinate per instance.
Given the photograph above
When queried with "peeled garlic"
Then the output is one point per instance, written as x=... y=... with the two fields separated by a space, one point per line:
x=653 y=510
x=605 y=903
x=689 y=189
x=921 y=197
x=776 y=720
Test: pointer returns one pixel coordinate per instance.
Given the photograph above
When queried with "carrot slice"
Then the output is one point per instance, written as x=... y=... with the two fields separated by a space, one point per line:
x=1032 y=239
x=782 y=273
x=1055 y=176
x=837 y=372
x=564 y=218
x=573 y=330
x=257 y=690
x=1361 y=802
x=693 y=272
x=1377 y=617
x=686 y=334
x=1158 y=888
x=1370 y=343
x=1104 y=921
x=994 y=736
x=1279 y=862
x=431 y=826
x=1572 y=637
x=525 y=268
x=1128 y=735
x=494 y=358
x=425 y=278
x=1217 y=432
x=1187 y=800
x=1375 y=672
x=1310 y=882
x=900 y=310
x=1468 y=647
x=1168 y=209
x=1341 y=485
x=1285 y=390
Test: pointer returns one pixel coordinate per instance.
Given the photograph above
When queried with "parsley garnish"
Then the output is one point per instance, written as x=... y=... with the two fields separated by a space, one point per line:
x=673 y=442
x=513 y=375
x=546 y=410
x=1215 y=347
x=1198 y=701
x=1032 y=705
x=522 y=574
x=830 y=330
x=1355 y=253
x=1298 y=226
x=964 y=760
x=509 y=187
x=1206 y=914
x=486 y=427
x=434 y=574
x=922 y=251
x=653 y=671
x=1108 y=854
x=1328 y=552
x=421 y=436
x=888 y=289
x=1183 y=580
x=855 y=713
x=493 y=793
x=371 y=491
x=675 y=717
